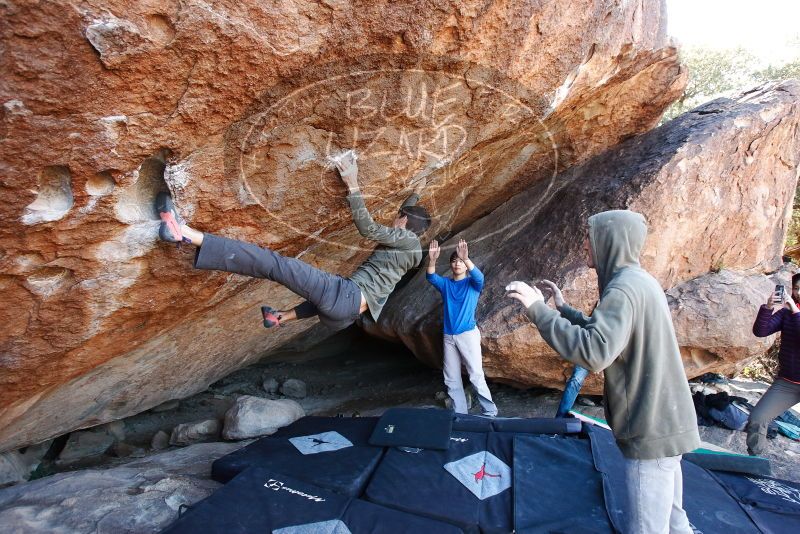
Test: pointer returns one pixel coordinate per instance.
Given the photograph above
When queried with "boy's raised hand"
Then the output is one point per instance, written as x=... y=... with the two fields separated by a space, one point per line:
x=462 y=250
x=434 y=250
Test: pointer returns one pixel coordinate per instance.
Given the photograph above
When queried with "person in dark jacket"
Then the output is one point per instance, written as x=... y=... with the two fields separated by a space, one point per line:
x=785 y=389
x=338 y=301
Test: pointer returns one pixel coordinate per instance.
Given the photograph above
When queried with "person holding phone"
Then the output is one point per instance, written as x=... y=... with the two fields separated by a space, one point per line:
x=785 y=389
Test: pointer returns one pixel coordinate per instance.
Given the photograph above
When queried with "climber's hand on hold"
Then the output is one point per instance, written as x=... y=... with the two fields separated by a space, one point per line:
x=348 y=170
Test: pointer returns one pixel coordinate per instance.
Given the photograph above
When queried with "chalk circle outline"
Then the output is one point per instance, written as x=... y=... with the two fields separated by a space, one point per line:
x=462 y=74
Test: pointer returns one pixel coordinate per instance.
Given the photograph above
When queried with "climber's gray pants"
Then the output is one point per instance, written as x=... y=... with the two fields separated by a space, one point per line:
x=336 y=300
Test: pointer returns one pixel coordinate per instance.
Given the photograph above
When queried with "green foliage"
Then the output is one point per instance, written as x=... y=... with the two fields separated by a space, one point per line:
x=793 y=232
x=718 y=72
x=783 y=72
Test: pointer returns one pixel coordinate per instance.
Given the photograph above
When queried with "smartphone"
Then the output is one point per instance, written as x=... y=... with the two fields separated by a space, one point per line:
x=780 y=295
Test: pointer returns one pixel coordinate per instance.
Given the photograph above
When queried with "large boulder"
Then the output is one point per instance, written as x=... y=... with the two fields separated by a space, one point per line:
x=232 y=107
x=141 y=496
x=713 y=316
x=716 y=187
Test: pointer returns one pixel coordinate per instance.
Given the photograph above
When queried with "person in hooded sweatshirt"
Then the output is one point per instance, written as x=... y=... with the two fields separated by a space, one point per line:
x=629 y=337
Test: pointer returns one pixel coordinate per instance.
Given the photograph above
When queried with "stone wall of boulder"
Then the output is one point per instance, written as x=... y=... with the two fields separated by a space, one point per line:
x=232 y=106
x=716 y=186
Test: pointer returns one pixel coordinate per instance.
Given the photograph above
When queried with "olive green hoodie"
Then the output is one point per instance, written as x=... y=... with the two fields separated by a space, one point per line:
x=631 y=339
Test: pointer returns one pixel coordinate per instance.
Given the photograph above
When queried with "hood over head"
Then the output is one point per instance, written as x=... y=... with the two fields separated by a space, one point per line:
x=616 y=238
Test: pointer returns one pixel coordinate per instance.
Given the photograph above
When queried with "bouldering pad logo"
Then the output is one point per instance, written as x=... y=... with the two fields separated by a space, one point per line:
x=777 y=489
x=483 y=474
x=464 y=135
x=323 y=442
x=277 y=485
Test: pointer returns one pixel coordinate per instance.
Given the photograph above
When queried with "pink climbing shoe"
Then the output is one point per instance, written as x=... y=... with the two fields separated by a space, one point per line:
x=271 y=317
x=170 y=228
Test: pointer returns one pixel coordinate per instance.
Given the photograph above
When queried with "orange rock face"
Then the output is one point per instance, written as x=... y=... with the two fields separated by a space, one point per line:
x=716 y=186
x=233 y=107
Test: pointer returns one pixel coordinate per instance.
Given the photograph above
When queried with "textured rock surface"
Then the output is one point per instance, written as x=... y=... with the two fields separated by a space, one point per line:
x=141 y=496
x=85 y=445
x=12 y=468
x=188 y=433
x=294 y=388
x=16 y=466
x=712 y=192
x=232 y=106
x=713 y=317
x=253 y=416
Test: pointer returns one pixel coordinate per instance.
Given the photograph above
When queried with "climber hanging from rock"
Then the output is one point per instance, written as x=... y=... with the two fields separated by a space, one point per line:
x=338 y=301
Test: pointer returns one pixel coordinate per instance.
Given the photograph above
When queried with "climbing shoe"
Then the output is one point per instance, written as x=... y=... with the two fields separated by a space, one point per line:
x=271 y=317
x=170 y=229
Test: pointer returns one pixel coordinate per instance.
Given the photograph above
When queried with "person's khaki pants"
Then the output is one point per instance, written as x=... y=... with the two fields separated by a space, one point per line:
x=780 y=396
x=655 y=496
x=466 y=348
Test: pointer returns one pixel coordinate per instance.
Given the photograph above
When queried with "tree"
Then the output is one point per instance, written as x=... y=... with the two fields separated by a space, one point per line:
x=713 y=73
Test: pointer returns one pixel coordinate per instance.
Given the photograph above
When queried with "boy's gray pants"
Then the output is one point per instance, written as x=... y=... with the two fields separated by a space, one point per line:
x=337 y=300
x=466 y=348
x=780 y=396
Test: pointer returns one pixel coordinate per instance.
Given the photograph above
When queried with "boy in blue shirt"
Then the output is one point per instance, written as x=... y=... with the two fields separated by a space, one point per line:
x=462 y=339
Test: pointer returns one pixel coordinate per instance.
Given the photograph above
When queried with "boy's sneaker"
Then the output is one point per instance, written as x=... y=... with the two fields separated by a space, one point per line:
x=271 y=317
x=170 y=229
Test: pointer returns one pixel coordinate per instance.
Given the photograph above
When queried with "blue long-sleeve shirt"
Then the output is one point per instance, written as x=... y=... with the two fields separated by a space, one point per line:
x=460 y=299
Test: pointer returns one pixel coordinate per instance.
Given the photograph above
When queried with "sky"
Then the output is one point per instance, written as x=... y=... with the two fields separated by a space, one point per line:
x=769 y=29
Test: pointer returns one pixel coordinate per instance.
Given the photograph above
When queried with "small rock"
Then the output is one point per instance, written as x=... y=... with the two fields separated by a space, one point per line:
x=254 y=416
x=271 y=386
x=125 y=450
x=441 y=395
x=12 y=468
x=294 y=388
x=166 y=406
x=114 y=428
x=160 y=441
x=350 y=362
x=585 y=401
x=85 y=445
x=34 y=454
x=448 y=402
x=187 y=433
